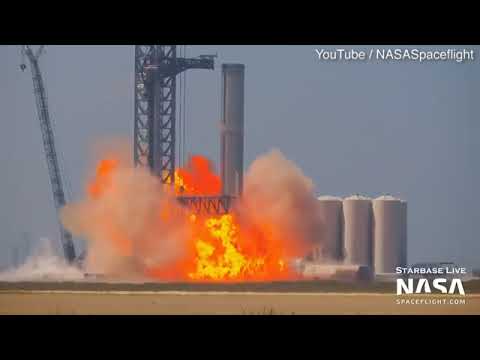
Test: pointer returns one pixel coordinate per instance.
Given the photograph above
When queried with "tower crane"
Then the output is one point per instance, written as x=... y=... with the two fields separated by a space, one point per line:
x=48 y=143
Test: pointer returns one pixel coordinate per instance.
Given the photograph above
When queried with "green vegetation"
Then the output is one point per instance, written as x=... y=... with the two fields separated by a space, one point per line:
x=264 y=311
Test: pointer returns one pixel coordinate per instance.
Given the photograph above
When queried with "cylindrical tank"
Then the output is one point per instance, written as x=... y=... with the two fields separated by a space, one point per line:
x=330 y=212
x=357 y=215
x=231 y=137
x=389 y=234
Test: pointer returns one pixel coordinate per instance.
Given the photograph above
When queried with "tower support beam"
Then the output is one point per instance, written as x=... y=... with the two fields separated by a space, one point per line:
x=156 y=69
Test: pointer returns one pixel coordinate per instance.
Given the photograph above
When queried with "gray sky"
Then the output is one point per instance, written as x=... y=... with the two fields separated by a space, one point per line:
x=408 y=129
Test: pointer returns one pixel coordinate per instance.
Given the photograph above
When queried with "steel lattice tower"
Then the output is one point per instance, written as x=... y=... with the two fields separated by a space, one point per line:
x=156 y=69
x=47 y=129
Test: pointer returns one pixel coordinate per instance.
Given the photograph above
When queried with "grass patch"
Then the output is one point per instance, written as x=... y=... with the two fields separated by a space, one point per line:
x=264 y=311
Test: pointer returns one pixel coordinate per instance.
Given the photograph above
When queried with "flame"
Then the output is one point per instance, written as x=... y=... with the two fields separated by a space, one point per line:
x=229 y=247
x=218 y=251
x=222 y=254
x=197 y=178
x=103 y=178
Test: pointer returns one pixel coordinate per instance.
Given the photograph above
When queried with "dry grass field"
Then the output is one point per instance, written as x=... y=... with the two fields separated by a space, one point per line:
x=274 y=298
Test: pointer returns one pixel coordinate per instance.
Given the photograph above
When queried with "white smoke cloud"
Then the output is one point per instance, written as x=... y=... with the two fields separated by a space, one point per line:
x=43 y=264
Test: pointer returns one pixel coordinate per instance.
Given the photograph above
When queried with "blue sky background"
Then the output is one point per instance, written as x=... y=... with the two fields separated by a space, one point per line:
x=403 y=128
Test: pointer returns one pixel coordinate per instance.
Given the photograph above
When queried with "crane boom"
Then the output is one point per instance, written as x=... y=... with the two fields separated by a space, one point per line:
x=49 y=145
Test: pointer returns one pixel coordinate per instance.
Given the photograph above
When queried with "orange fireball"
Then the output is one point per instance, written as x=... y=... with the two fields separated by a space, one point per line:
x=229 y=247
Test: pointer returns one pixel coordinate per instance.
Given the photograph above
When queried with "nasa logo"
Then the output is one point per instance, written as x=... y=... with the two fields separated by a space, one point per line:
x=423 y=286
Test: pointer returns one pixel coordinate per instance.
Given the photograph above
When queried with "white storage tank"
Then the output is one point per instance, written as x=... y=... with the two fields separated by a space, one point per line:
x=330 y=211
x=357 y=227
x=389 y=234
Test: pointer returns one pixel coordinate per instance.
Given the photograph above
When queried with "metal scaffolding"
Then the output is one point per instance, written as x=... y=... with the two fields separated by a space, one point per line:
x=156 y=68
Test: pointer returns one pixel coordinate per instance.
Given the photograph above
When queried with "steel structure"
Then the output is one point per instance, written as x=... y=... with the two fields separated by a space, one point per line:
x=231 y=136
x=214 y=205
x=48 y=143
x=156 y=68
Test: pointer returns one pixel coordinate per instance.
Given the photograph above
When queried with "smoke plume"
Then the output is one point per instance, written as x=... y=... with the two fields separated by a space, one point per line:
x=277 y=195
x=119 y=219
x=43 y=264
x=134 y=226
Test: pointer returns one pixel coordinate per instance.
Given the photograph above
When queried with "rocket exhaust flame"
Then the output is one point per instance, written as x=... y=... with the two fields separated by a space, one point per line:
x=135 y=226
